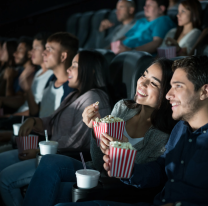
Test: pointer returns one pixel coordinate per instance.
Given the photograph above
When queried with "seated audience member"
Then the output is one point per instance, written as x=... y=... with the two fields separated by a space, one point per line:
x=125 y=10
x=148 y=125
x=173 y=4
x=183 y=167
x=148 y=33
x=187 y=32
x=2 y=40
x=34 y=93
x=22 y=57
x=87 y=76
x=7 y=51
x=60 y=50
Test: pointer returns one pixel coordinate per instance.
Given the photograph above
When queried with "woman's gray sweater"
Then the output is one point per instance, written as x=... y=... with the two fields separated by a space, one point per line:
x=149 y=149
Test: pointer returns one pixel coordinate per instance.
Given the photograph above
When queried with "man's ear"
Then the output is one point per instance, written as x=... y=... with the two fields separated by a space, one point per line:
x=204 y=92
x=162 y=9
x=131 y=10
x=63 y=56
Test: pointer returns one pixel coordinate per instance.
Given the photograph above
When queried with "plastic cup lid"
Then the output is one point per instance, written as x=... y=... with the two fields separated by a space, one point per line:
x=51 y=143
x=87 y=172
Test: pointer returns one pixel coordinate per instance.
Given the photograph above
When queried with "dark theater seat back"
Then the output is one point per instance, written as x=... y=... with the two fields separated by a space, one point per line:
x=84 y=27
x=72 y=23
x=95 y=23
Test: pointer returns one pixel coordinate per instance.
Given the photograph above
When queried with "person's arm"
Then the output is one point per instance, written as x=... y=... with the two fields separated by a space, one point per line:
x=9 y=76
x=25 y=113
x=13 y=102
x=33 y=106
x=199 y=41
x=150 y=47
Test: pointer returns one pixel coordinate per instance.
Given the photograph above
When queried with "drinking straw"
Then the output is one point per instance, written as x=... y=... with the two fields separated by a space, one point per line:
x=83 y=162
x=46 y=135
x=22 y=119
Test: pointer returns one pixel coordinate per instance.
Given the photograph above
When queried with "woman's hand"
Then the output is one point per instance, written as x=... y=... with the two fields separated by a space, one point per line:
x=106 y=159
x=26 y=127
x=28 y=154
x=90 y=114
x=172 y=42
x=106 y=139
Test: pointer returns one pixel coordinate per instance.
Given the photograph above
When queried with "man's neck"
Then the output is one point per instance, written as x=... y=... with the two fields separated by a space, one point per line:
x=153 y=18
x=127 y=21
x=44 y=69
x=199 y=119
x=60 y=73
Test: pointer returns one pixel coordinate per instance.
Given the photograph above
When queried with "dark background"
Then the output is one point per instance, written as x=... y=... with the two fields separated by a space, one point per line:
x=27 y=17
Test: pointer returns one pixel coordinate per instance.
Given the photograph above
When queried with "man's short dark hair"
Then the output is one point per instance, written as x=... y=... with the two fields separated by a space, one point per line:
x=69 y=42
x=196 y=68
x=42 y=36
x=164 y=3
x=130 y=2
x=27 y=40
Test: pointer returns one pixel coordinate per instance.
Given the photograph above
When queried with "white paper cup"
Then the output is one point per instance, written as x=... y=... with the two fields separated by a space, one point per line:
x=87 y=178
x=16 y=128
x=49 y=147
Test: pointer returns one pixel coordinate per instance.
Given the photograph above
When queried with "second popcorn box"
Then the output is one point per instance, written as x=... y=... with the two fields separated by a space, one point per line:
x=113 y=126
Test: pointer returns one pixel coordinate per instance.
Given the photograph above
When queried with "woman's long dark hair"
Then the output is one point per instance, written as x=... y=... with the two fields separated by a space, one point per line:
x=195 y=8
x=161 y=117
x=11 y=46
x=92 y=74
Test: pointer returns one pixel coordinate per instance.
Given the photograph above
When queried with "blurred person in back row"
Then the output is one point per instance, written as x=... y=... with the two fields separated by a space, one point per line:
x=88 y=76
x=25 y=69
x=148 y=33
x=7 y=58
x=188 y=30
x=125 y=10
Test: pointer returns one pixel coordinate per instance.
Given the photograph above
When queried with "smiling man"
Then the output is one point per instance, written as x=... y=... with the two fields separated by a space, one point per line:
x=60 y=50
x=183 y=168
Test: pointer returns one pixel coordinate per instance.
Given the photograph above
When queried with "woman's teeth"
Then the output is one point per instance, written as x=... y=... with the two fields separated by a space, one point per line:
x=141 y=93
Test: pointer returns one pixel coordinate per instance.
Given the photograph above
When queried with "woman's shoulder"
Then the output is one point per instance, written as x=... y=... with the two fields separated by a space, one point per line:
x=196 y=31
x=157 y=133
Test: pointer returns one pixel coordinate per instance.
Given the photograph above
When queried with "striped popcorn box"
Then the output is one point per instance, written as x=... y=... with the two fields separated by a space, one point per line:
x=113 y=129
x=27 y=142
x=121 y=162
x=167 y=52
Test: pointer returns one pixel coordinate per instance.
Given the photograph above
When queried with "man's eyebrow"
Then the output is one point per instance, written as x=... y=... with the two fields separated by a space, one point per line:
x=177 y=82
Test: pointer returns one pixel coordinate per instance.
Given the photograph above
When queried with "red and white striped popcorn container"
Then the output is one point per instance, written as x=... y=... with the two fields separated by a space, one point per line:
x=121 y=162
x=167 y=52
x=27 y=142
x=113 y=129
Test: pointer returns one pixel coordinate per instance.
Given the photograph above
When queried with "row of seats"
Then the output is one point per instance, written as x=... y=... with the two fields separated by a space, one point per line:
x=85 y=25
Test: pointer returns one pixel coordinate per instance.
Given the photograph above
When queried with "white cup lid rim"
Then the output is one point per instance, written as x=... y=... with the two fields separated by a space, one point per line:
x=96 y=173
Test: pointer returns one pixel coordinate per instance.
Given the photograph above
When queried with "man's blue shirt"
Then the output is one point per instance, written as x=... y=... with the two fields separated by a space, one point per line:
x=183 y=168
x=144 y=31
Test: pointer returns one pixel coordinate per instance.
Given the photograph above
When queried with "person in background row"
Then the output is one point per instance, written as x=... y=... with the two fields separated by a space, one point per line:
x=148 y=33
x=188 y=30
x=26 y=69
x=173 y=4
x=87 y=76
x=2 y=40
x=33 y=94
x=125 y=10
x=7 y=51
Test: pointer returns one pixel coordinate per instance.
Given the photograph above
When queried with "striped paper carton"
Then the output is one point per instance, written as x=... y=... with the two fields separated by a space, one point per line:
x=121 y=162
x=27 y=142
x=113 y=129
x=167 y=52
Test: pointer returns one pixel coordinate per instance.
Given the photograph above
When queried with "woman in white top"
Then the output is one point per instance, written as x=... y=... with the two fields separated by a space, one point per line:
x=187 y=32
